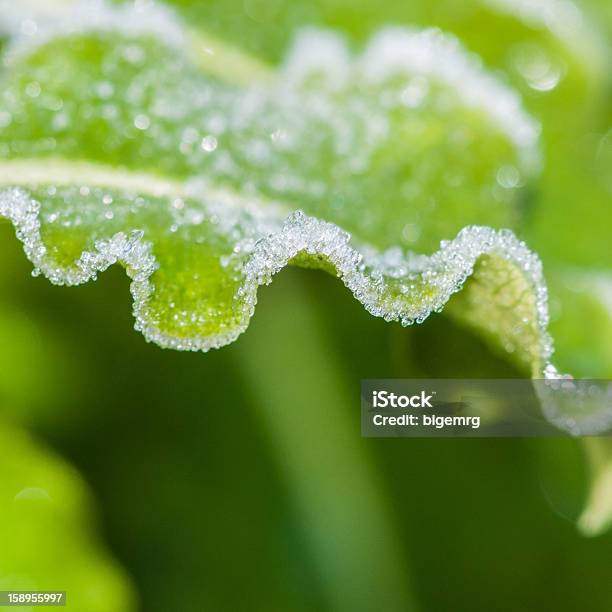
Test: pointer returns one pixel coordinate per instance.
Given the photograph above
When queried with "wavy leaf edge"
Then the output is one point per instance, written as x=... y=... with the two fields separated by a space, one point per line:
x=284 y=240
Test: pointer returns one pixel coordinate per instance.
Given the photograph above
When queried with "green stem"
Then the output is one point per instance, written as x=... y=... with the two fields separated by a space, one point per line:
x=313 y=424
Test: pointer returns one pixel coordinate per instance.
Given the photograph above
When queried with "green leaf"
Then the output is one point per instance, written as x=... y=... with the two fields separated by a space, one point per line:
x=46 y=531
x=120 y=149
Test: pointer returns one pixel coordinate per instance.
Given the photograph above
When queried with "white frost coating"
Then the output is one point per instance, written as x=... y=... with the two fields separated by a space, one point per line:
x=429 y=53
x=24 y=213
x=16 y=17
x=321 y=53
x=44 y=22
x=447 y=269
x=367 y=277
x=393 y=52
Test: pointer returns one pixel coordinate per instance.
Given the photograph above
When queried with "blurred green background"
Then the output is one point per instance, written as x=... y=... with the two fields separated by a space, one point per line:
x=238 y=480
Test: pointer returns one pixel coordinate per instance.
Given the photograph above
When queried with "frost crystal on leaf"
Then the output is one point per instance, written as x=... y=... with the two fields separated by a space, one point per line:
x=390 y=285
x=32 y=24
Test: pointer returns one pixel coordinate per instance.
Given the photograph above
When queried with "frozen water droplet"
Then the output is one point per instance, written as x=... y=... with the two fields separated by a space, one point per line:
x=209 y=143
x=33 y=89
x=508 y=177
x=134 y=54
x=415 y=92
x=142 y=122
x=278 y=135
x=537 y=68
x=194 y=217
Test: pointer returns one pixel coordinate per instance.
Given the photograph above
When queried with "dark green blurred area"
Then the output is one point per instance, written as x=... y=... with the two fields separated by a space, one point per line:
x=238 y=480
